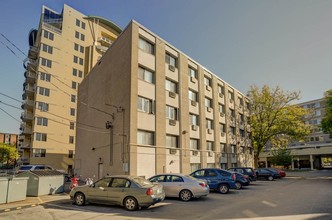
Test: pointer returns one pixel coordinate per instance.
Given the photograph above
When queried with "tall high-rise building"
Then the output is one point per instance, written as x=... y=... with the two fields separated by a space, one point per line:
x=62 y=51
x=154 y=109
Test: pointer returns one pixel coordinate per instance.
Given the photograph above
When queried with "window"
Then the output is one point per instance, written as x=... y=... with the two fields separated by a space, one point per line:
x=78 y=23
x=76 y=46
x=241 y=118
x=73 y=98
x=73 y=85
x=208 y=102
x=194 y=144
x=193 y=119
x=171 y=60
x=222 y=127
x=209 y=146
x=145 y=105
x=207 y=81
x=172 y=141
x=195 y=166
x=209 y=124
x=42 y=106
x=145 y=137
x=77 y=35
x=48 y=35
x=171 y=112
x=171 y=86
x=80 y=73
x=192 y=72
x=232 y=130
x=193 y=95
x=41 y=137
x=233 y=149
x=38 y=152
x=145 y=75
x=221 y=108
x=232 y=112
x=45 y=76
x=81 y=49
x=70 y=154
x=75 y=59
x=83 y=25
x=250 y=150
x=71 y=139
x=46 y=62
x=72 y=111
x=145 y=46
x=82 y=37
x=243 y=150
x=220 y=89
x=231 y=95
x=75 y=72
x=71 y=125
x=240 y=100
x=223 y=148
x=81 y=61
x=44 y=91
x=47 y=48
x=42 y=121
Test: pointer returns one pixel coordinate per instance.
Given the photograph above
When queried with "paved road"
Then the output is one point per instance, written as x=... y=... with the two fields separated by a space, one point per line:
x=300 y=196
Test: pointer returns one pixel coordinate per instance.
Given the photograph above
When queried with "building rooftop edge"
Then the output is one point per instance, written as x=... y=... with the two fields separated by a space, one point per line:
x=148 y=30
x=105 y=22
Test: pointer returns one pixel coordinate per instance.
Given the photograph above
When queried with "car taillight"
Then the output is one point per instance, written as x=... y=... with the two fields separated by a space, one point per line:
x=149 y=192
x=233 y=176
x=202 y=184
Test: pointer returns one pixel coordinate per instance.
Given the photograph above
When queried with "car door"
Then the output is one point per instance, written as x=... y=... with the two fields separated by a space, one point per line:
x=212 y=178
x=118 y=189
x=161 y=179
x=173 y=185
x=98 y=192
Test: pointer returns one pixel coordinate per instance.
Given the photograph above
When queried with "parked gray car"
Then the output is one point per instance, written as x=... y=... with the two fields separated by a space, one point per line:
x=181 y=186
x=131 y=192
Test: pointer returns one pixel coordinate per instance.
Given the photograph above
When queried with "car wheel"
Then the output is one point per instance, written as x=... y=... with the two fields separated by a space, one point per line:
x=130 y=203
x=238 y=185
x=270 y=178
x=79 y=199
x=223 y=188
x=185 y=195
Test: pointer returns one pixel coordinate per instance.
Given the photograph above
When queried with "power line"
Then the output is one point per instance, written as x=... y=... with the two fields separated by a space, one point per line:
x=10 y=115
x=10 y=97
x=13 y=44
x=1 y=102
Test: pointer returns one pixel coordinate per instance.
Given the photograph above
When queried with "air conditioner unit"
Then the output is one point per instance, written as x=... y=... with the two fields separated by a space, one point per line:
x=209 y=131
x=193 y=103
x=194 y=127
x=210 y=153
x=232 y=118
x=222 y=114
x=171 y=68
x=222 y=134
x=193 y=79
x=172 y=94
x=231 y=100
x=221 y=95
x=172 y=151
x=172 y=122
x=208 y=88
x=195 y=152
x=208 y=109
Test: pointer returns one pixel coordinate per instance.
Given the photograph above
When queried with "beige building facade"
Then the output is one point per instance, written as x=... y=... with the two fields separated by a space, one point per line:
x=62 y=51
x=316 y=151
x=11 y=139
x=152 y=109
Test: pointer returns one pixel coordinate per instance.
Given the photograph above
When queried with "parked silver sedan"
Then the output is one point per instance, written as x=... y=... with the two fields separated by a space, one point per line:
x=182 y=186
x=131 y=192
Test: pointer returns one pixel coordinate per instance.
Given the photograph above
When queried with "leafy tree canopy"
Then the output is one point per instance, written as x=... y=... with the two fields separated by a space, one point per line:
x=327 y=120
x=273 y=113
x=8 y=153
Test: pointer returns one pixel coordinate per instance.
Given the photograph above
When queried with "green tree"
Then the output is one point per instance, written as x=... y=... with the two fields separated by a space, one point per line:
x=273 y=113
x=8 y=154
x=327 y=120
x=281 y=155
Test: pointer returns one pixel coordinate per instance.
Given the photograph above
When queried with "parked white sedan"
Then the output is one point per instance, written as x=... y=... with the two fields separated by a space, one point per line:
x=181 y=186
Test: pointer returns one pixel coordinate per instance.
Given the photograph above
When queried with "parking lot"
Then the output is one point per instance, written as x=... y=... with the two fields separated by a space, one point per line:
x=302 y=195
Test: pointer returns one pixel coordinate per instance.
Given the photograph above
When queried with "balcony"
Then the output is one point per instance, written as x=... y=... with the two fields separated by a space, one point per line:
x=29 y=89
x=28 y=104
x=30 y=76
x=33 y=53
x=26 y=116
x=105 y=40
x=25 y=129
x=30 y=64
x=102 y=49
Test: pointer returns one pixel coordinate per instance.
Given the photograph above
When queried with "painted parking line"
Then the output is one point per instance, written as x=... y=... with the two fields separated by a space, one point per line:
x=18 y=208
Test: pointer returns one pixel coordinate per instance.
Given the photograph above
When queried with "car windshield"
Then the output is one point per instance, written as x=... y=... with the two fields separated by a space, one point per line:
x=141 y=181
x=25 y=167
x=249 y=170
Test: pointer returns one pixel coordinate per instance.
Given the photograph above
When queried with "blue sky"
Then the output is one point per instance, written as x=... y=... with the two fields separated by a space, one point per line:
x=286 y=42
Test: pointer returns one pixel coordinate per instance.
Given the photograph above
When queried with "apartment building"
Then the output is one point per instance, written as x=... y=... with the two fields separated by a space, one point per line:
x=152 y=109
x=316 y=151
x=11 y=139
x=62 y=51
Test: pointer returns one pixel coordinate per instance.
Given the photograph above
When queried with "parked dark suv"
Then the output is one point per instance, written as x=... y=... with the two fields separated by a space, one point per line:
x=245 y=171
x=217 y=179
